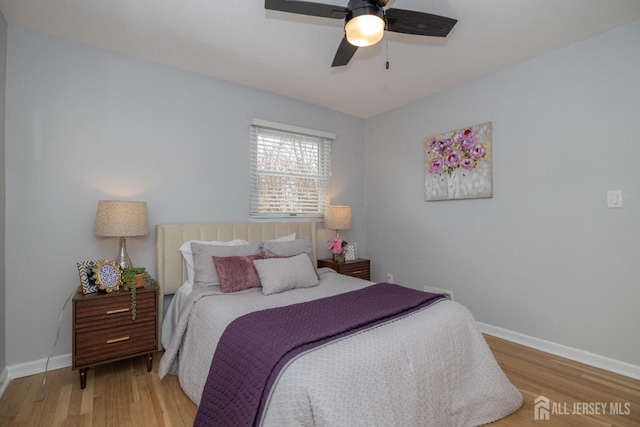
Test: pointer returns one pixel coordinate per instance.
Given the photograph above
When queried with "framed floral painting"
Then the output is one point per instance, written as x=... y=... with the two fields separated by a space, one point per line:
x=457 y=164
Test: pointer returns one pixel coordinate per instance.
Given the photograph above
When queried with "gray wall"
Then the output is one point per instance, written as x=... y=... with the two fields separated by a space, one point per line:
x=544 y=256
x=3 y=68
x=85 y=124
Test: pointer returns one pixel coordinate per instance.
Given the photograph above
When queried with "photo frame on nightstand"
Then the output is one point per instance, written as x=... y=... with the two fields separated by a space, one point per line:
x=352 y=252
x=85 y=271
x=107 y=275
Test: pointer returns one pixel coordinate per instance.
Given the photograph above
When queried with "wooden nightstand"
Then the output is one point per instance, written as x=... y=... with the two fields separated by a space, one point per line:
x=357 y=268
x=103 y=331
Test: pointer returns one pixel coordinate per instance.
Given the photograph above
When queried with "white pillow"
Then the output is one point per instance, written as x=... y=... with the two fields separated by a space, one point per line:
x=283 y=274
x=287 y=248
x=288 y=238
x=187 y=253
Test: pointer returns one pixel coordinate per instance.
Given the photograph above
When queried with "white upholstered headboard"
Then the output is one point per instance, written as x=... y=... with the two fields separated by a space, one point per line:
x=171 y=270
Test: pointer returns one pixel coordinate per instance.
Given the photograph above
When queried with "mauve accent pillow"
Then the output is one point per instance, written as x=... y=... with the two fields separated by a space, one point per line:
x=292 y=247
x=282 y=274
x=237 y=273
x=205 y=273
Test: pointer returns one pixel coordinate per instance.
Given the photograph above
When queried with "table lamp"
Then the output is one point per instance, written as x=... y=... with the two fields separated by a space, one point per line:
x=337 y=218
x=116 y=218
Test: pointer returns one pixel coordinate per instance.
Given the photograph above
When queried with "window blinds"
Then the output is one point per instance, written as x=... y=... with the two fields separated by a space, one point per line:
x=290 y=171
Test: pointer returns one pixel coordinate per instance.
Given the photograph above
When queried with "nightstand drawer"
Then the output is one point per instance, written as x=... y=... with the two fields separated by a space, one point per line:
x=91 y=311
x=116 y=342
x=361 y=270
x=114 y=312
x=360 y=267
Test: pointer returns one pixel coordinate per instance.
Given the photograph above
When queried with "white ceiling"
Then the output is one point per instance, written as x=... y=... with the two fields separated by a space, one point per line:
x=239 y=41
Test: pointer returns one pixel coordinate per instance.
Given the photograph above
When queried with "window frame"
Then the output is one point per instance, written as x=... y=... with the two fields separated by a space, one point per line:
x=322 y=139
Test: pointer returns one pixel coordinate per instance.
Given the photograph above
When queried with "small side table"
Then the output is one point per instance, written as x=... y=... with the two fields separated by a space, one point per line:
x=360 y=267
x=103 y=331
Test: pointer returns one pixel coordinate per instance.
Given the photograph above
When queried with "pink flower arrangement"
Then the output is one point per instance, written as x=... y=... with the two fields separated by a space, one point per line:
x=463 y=149
x=338 y=246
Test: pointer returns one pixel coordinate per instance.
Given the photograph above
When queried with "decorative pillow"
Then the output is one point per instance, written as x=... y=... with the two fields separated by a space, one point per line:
x=292 y=247
x=303 y=253
x=283 y=274
x=237 y=273
x=204 y=270
x=185 y=249
x=288 y=238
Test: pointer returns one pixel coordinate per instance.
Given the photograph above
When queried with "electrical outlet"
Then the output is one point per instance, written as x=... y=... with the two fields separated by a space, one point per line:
x=389 y=278
x=614 y=198
x=447 y=293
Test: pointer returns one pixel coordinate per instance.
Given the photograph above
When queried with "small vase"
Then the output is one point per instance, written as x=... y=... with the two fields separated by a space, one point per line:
x=339 y=258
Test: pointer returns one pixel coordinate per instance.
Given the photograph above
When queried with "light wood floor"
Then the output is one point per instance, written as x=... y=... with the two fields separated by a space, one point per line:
x=564 y=382
x=125 y=394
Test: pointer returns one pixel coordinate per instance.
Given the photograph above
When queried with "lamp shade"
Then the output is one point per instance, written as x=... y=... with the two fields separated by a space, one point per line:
x=116 y=218
x=337 y=217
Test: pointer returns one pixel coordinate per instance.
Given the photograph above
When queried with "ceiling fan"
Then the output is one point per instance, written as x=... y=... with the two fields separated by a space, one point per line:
x=365 y=22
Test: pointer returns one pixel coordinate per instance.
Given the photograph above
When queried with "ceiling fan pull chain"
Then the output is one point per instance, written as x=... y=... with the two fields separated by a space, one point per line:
x=387 y=48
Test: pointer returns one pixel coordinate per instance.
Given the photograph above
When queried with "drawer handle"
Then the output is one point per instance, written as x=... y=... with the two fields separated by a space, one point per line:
x=357 y=272
x=117 y=340
x=120 y=310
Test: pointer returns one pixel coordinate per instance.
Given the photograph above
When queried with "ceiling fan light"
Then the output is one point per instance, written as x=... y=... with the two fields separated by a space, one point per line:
x=364 y=30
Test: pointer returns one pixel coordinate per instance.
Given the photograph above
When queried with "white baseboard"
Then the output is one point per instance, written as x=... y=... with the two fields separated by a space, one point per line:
x=31 y=368
x=38 y=366
x=603 y=362
x=4 y=381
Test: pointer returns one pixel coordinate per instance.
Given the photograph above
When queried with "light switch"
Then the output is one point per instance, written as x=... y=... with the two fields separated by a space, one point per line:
x=614 y=198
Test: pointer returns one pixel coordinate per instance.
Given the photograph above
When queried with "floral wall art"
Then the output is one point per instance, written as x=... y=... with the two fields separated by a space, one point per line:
x=458 y=164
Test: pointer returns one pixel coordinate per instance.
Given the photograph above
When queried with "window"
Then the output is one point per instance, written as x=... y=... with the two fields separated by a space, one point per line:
x=290 y=170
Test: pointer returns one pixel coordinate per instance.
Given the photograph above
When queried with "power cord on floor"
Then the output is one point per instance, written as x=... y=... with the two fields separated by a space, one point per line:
x=46 y=366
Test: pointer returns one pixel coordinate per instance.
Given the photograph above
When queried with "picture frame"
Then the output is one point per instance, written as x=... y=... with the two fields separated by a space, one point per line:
x=107 y=275
x=458 y=164
x=85 y=271
x=352 y=252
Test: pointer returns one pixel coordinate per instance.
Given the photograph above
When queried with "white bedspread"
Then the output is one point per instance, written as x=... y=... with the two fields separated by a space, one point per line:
x=430 y=368
x=172 y=315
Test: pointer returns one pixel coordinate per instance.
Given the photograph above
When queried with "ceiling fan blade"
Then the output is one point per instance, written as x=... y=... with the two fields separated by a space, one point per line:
x=307 y=8
x=419 y=23
x=344 y=54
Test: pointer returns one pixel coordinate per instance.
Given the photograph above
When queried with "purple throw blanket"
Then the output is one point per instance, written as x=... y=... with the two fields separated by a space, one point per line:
x=255 y=347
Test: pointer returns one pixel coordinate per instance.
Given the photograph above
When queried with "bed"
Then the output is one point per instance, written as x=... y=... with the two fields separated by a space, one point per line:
x=428 y=366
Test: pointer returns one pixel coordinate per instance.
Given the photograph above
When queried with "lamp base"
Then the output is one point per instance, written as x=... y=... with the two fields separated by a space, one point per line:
x=122 y=259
